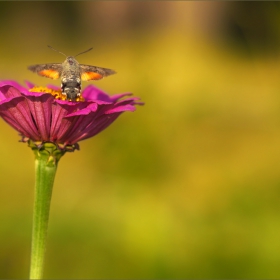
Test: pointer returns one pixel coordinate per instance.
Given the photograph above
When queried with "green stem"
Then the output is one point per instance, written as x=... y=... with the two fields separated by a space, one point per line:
x=46 y=160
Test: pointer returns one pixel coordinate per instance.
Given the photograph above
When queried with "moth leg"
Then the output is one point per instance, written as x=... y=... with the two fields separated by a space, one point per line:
x=62 y=88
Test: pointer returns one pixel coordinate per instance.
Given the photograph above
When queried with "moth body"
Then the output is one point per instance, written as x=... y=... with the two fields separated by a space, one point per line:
x=71 y=78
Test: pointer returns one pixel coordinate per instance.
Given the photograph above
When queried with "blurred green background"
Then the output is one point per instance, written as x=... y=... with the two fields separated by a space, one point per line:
x=185 y=187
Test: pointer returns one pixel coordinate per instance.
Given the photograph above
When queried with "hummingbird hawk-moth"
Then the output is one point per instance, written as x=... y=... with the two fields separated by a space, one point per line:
x=71 y=73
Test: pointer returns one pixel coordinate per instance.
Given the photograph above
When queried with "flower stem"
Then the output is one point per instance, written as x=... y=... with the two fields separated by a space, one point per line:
x=46 y=160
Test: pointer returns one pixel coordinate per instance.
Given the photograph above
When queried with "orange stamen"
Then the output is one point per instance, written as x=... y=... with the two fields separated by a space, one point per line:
x=57 y=94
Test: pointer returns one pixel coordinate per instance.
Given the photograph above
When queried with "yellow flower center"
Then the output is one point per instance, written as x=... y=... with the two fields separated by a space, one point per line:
x=57 y=94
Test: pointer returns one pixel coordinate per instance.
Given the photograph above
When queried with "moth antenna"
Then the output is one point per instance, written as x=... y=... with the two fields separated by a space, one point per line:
x=57 y=50
x=83 y=52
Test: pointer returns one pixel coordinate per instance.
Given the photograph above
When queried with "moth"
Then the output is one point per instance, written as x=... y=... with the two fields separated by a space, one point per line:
x=71 y=73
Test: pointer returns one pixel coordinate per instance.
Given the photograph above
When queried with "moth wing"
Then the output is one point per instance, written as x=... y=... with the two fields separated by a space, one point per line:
x=89 y=72
x=50 y=70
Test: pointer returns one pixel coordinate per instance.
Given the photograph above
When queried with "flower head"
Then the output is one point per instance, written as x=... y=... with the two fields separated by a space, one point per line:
x=41 y=115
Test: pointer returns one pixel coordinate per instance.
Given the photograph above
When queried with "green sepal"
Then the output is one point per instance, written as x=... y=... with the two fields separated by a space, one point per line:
x=47 y=150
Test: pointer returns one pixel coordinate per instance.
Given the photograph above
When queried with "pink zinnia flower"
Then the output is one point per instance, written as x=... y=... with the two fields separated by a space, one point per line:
x=43 y=117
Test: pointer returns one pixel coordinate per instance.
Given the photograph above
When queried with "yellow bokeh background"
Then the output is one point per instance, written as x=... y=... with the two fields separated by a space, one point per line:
x=185 y=187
